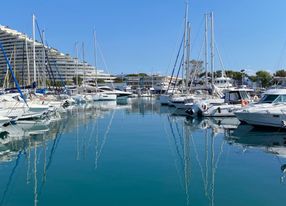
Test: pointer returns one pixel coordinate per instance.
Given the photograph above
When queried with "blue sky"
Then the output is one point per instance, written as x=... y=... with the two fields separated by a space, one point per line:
x=142 y=36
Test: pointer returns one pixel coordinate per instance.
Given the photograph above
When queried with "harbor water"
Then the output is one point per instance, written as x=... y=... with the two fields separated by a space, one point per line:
x=140 y=153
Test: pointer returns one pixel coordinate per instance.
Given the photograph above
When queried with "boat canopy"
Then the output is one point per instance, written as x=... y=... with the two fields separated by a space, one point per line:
x=276 y=91
x=273 y=98
x=235 y=96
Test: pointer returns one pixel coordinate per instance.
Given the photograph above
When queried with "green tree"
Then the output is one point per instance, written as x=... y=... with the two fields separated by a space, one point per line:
x=253 y=78
x=234 y=74
x=264 y=77
x=118 y=80
x=100 y=81
x=280 y=73
x=58 y=84
x=69 y=82
x=136 y=75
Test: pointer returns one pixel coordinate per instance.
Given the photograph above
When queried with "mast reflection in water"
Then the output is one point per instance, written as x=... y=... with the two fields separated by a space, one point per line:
x=138 y=153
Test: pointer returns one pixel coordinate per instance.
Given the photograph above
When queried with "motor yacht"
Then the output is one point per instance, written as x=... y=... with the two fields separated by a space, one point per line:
x=109 y=91
x=234 y=100
x=269 y=111
x=104 y=97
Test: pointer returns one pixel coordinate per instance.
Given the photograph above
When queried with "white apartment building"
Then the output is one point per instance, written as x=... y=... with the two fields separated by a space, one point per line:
x=51 y=64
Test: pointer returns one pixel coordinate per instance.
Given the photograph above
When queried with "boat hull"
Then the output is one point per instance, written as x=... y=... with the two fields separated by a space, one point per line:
x=262 y=119
x=221 y=111
x=104 y=97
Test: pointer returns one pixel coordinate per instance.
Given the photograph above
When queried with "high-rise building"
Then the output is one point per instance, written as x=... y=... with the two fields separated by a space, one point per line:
x=51 y=64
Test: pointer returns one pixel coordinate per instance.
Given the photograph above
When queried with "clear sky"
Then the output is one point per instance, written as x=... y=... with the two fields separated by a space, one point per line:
x=142 y=36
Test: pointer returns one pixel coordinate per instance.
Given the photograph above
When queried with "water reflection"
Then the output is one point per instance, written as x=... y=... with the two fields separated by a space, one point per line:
x=198 y=145
x=195 y=143
x=36 y=141
x=271 y=141
x=200 y=153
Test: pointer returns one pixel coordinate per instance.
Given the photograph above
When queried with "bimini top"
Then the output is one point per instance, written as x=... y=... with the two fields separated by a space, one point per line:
x=274 y=96
x=276 y=91
x=223 y=78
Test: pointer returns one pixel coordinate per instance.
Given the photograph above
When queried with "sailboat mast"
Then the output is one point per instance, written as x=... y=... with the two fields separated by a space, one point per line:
x=212 y=46
x=206 y=49
x=14 y=63
x=188 y=58
x=83 y=64
x=34 y=49
x=44 y=61
x=186 y=44
x=28 y=62
x=95 y=60
x=76 y=51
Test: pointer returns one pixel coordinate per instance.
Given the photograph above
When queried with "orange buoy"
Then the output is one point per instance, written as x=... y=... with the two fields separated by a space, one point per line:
x=244 y=103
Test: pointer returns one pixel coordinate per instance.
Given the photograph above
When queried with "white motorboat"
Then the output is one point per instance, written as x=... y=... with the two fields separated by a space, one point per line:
x=194 y=109
x=120 y=94
x=187 y=101
x=107 y=90
x=104 y=97
x=269 y=111
x=234 y=100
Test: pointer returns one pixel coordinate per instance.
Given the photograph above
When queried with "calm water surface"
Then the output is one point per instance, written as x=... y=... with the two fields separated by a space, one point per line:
x=140 y=154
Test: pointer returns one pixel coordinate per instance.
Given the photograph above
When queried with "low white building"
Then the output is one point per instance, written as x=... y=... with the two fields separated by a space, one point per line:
x=157 y=82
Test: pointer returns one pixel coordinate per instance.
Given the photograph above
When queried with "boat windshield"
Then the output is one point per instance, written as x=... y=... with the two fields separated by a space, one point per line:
x=268 y=98
x=280 y=99
x=105 y=88
x=244 y=95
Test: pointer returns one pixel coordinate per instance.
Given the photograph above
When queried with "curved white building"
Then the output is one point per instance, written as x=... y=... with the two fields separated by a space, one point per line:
x=51 y=64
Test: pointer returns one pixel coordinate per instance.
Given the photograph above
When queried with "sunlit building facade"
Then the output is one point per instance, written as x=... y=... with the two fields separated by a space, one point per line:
x=51 y=64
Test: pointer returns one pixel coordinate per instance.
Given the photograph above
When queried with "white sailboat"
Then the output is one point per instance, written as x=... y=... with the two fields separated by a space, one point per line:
x=211 y=105
x=78 y=98
x=170 y=98
x=99 y=95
